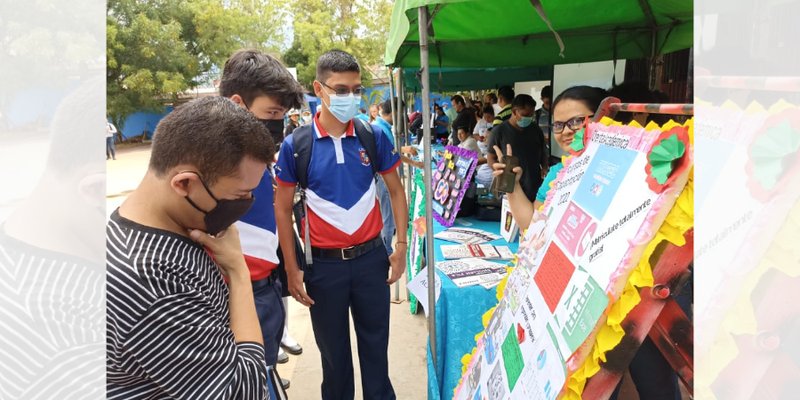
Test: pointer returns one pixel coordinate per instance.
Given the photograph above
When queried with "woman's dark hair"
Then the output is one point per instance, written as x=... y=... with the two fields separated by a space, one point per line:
x=631 y=92
x=590 y=96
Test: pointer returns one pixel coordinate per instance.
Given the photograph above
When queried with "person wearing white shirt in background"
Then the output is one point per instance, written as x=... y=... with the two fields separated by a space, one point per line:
x=482 y=129
x=111 y=130
x=490 y=99
x=468 y=142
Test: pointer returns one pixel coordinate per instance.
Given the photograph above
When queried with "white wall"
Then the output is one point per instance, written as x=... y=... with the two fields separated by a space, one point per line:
x=533 y=88
x=591 y=74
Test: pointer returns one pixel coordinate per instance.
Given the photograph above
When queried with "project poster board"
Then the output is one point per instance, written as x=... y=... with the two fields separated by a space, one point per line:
x=416 y=234
x=605 y=206
x=450 y=182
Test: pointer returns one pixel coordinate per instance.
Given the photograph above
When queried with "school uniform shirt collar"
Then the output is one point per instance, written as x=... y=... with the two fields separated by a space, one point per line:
x=320 y=132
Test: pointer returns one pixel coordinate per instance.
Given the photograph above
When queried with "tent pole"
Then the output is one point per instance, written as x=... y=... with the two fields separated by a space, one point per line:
x=396 y=145
x=401 y=88
x=395 y=118
x=426 y=126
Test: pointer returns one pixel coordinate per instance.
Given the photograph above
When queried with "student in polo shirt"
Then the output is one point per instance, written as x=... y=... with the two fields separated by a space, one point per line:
x=350 y=263
x=505 y=95
x=262 y=85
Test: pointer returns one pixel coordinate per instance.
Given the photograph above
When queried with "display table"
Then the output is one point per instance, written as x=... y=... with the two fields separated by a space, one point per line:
x=458 y=316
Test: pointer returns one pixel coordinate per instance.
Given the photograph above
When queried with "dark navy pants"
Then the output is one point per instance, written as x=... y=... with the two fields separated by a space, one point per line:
x=271 y=314
x=339 y=288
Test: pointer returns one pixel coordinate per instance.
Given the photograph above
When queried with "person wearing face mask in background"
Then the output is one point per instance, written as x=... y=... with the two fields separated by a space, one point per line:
x=175 y=329
x=526 y=141
x=570 y=111
x=306 y=117
x=262 y=85
x=343 y=222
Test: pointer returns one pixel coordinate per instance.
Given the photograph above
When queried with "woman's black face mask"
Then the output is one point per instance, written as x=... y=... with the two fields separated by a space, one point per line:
x=225 y=213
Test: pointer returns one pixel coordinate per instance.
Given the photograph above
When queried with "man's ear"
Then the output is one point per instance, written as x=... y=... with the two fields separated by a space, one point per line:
x=238 y=100
x=317 y=88
x=181 y=181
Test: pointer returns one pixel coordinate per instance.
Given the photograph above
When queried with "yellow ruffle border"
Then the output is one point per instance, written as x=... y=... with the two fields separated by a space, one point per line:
x=679 y=220
x=740 y=317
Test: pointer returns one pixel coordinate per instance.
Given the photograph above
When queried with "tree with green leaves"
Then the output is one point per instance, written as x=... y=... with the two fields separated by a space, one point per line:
x=157 y=49
x=359 y=27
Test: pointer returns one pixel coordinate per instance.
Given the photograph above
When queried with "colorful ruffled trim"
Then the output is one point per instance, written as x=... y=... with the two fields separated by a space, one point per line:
x=679 y=220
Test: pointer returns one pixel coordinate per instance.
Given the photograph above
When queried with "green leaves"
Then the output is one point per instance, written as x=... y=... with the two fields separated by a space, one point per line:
x=360 y=28
x=157 y=49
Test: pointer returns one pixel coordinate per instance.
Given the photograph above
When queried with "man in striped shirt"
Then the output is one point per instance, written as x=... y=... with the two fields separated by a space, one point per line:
x=505 y=95
x=175 y=330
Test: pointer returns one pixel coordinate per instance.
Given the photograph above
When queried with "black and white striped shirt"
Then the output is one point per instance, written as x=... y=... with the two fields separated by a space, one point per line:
x=51 y=323
x=168 y=321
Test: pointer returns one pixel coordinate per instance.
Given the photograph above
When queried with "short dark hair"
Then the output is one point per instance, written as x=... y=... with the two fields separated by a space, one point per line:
x=333 y=61
x=492 y=97
x=488 y=110
x=458 y=99
x=547 y=92
x=211 y=133
x=506 y=93
x=386 y=107
x=590 y=96
x=523 y=101
x=251 y=74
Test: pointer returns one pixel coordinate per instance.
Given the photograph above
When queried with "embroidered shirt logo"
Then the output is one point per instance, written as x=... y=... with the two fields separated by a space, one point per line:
x=364 y=157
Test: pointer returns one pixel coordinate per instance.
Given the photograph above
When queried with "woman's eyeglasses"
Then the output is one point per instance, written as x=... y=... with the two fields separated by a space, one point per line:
x=573 y=124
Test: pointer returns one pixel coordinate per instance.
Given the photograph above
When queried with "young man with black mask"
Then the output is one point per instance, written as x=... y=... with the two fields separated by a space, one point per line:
x=262 y=85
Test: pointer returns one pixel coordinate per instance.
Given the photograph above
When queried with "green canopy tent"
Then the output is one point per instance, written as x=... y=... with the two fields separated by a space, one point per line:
x=512 y=33
x=478 y=35
x=461 y=79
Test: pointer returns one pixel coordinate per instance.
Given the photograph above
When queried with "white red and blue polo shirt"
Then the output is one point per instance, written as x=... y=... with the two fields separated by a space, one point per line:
x=343 y=210
x=258 y=233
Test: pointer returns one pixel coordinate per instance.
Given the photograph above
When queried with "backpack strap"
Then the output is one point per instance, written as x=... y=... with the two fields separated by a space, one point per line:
x=302 y=144
x=366 y=135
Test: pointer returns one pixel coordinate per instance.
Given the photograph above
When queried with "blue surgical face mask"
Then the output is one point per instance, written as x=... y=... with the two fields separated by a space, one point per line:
x=524 y=122
x=344 y=108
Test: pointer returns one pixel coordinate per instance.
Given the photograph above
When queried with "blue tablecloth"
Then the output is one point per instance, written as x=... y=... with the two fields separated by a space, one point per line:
x=458 y=317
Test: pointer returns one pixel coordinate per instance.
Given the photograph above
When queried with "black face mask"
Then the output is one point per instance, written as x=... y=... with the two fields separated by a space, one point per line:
x=225 y=213
x=274 y=126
